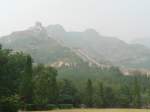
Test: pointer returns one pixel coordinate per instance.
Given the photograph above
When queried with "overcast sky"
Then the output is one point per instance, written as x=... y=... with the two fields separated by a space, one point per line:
x=125 y=19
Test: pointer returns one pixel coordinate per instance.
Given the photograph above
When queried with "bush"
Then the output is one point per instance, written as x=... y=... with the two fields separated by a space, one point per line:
x=65 y=106
x=10 y=104
x=30 y=107
x=51 y=106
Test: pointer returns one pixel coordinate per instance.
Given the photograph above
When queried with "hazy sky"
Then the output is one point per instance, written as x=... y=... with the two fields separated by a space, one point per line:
x=125 y=19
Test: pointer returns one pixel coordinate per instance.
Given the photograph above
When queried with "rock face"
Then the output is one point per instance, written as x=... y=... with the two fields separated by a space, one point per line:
x=55 y=46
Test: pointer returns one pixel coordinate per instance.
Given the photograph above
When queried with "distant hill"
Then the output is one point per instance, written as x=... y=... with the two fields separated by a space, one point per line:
x=53 y=45
x=107 y=50
x=43 y=48
x=142 y=41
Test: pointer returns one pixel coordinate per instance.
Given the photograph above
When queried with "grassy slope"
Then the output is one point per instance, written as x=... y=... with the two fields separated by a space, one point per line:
x=100 y=110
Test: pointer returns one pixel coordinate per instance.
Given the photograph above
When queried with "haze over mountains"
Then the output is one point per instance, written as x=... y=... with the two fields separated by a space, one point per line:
x=144 y=41
x=55 y=46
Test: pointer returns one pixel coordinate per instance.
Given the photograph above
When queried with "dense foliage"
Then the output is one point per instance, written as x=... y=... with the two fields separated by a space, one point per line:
x=37 y=87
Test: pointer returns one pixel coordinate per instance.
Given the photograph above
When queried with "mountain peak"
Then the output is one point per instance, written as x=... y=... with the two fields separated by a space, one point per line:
x=37 y=27
x=91 y=32
x=38 y=24
x=56 y=27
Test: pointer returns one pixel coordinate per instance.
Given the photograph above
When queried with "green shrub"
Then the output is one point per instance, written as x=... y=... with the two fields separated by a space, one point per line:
x=65 y=106
x=51 y=106
x=10 y=104
x=30 y=107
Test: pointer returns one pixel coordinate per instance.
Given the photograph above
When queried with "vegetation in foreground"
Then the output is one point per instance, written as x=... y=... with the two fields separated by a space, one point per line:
x=37 y=87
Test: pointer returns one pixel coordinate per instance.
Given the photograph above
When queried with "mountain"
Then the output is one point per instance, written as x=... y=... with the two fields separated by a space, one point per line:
x=105 y=50
x=142 y=41
x=53 y=45
x=42 y=48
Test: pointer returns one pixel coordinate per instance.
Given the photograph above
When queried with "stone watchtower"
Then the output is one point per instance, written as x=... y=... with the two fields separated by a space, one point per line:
x=38 y=25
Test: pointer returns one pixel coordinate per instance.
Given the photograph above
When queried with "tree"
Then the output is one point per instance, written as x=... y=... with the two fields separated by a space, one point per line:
x=89 y=93
x=26 y=85
x=67 y=93
x=100 y=96
x=53 y=85
x=110 y=99
x=12 y=64
x=45 y=85
x=11 y=67
x=136 y=93
x=125 y=96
